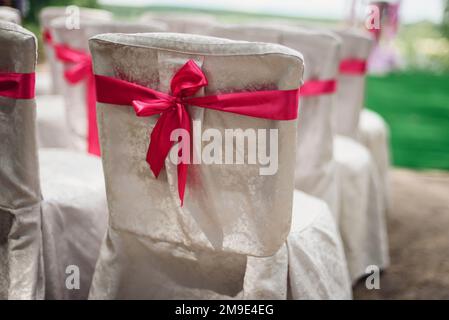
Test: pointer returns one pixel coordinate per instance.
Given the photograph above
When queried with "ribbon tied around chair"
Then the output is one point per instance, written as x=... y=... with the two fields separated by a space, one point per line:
x=17 y=85
x=79 y=68
x=272 y=104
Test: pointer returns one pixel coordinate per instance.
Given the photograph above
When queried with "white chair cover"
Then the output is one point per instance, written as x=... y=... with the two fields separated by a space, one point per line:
x=316 y=171
x=374 y=133
x=45 y=17
x=10 y=15
x=49 y=220
x=52 y=129
x=21 y=264
x=75 y=94
x=156 y=249
x=365 y=125
x=349 y=102
x=365 y=237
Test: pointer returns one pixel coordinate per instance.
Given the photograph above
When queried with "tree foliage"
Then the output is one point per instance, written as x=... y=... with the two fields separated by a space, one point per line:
x=445 y=22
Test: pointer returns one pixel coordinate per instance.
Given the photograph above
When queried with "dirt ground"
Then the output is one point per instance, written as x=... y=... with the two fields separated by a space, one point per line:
x=418 y=228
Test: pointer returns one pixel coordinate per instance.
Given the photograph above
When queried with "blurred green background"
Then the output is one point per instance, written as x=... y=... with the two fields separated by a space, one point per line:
x=414 y=101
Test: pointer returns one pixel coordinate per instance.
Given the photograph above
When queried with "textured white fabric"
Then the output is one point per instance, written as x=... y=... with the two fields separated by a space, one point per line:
x=9 y=14
x=314 y=255
x=374 y=134
x=362 y=221
x=75 y=94
x=74 y=218
x=316 y=172
x=156 y=250
x=48 y=14
x=47 y=221
x=351 y=88
x=348 y=121
x=21 y=268
x=51 y=120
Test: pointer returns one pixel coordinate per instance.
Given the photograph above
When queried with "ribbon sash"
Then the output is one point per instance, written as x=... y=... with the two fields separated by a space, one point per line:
x=17 y=85
x=273 y=104
x=317 y=87
x=80 y=68
x=353 y=66
x=47 y=37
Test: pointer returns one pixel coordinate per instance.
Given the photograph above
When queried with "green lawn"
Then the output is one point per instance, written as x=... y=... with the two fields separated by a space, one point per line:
x=416 y=107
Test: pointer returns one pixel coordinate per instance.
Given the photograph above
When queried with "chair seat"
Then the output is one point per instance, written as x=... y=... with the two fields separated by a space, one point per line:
x=51 y=120
x=311 y=262
x=362 y=215
x=74 y=218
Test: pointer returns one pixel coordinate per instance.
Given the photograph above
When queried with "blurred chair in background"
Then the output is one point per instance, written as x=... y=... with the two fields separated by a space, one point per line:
x=71 y=48
x=51 y=112
x=53 y=210
x=10 y=14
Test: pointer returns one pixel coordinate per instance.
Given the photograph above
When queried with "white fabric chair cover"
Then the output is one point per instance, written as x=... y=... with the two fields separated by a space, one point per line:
x=52 y=130
x=75 y=94
x=316 y=173
x=365 y=237
x=50 y=220
x=374 y=133
x=365 y=125
x=321 y=52
x=10 y=15
x=180 y=22
x=156 y=249
x=45 y=17
x=349 y=102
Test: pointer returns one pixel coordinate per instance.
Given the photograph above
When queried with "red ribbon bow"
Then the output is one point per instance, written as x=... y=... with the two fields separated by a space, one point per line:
x=274 y=104
x=17 y=85
x=81 y=69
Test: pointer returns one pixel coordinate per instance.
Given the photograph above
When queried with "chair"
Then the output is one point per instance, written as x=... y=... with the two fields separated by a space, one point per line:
x=51 y=113
x=228 y=239
x=340 y=171
x=53 y=211
x=79 y=95
x=368 y=127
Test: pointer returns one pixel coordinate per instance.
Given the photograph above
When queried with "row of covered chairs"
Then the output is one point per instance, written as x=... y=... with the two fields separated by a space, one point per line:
x=308 y=231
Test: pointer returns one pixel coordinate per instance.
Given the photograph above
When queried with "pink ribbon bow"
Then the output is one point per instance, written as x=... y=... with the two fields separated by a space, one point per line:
x=80 y=68
x=274 y=104
x=17 y=85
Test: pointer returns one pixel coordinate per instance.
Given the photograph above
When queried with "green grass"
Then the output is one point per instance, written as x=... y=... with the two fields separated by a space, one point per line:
x=416 y=107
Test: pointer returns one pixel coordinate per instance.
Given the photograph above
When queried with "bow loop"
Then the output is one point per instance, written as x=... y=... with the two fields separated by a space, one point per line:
x=188 y=80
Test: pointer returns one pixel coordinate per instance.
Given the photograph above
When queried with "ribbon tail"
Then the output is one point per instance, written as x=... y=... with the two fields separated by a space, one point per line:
x=182 y=166
x=93 y=143
x=160 y=143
